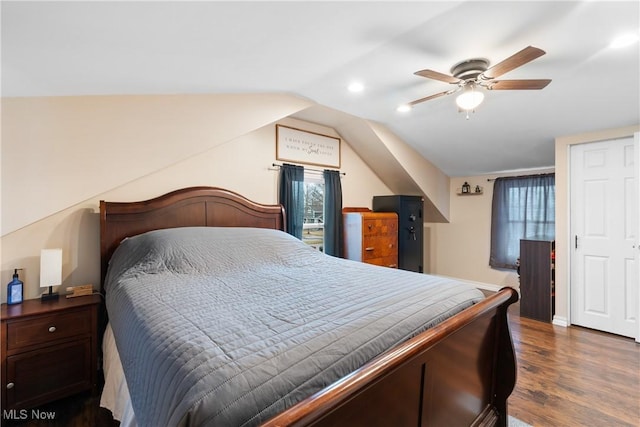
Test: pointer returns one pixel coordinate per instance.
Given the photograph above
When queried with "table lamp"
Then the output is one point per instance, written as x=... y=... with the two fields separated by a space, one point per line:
x=50 y=272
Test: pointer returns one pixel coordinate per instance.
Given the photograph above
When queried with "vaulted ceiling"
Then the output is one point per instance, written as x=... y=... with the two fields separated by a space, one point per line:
x=316 y=49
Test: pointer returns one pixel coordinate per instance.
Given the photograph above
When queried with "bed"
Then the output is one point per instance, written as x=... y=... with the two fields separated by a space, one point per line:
x=274 y=333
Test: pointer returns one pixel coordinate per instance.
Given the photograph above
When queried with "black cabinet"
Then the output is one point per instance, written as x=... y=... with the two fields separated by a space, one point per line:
x=537 y=279
x=410 y=228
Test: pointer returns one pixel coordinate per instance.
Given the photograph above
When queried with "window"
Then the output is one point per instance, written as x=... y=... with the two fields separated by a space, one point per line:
x=313 y=206
x=522 y=208
x=313 y=220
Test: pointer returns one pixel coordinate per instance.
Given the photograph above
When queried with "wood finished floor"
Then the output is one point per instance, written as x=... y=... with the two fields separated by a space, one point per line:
x=574 y=376
x=566 y=377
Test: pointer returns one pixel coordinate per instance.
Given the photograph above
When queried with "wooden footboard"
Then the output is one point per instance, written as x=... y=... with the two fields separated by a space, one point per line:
x=459 y=373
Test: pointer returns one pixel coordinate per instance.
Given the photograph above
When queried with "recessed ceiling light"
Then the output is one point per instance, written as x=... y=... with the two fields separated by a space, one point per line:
x=403 y=108
x=356 y=87
x=624 y=41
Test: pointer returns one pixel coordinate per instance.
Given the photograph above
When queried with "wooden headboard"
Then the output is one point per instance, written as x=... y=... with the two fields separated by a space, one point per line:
x=188 y=207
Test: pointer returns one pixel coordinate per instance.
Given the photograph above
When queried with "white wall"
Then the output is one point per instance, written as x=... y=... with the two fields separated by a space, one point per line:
x=242 y=164
x=461 y=247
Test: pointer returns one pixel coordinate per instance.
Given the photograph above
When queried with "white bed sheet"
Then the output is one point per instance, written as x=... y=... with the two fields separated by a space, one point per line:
x=115 y=394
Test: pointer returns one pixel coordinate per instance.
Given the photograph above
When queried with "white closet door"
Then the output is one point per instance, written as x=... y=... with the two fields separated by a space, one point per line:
x=604 y=224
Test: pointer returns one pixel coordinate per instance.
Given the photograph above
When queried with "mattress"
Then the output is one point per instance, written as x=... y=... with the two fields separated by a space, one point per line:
x=230 y=326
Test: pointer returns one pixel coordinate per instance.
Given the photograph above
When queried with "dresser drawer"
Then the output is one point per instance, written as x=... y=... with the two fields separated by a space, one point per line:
x=380 y=227
x=390 y=261
x=47 y=328
x=379 y=246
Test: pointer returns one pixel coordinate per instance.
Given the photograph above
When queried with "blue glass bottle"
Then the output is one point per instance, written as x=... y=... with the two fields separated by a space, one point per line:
x=15 y=289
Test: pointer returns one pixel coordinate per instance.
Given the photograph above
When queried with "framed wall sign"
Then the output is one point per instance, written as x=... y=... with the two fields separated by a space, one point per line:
x=299 y=146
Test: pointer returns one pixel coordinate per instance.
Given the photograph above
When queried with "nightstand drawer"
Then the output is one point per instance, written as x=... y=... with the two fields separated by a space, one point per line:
x=39 y=376
x=46 y=328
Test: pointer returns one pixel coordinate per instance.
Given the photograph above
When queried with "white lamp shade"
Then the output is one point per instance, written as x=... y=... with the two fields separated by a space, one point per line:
x=50 y=267
x=469 y=99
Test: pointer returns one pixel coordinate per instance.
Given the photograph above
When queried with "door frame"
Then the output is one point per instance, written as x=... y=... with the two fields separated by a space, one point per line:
x=636 y=139
x=563 y=214
x=563 y=236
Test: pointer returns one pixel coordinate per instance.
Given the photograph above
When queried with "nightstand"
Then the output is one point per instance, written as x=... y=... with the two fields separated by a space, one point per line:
x=49 y=350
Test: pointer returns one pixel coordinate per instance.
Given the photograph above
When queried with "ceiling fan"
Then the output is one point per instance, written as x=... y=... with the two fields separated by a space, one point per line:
x=473 y=74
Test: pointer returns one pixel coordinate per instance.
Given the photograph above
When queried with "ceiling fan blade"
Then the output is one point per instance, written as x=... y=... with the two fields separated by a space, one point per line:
x=430 y=74
x=518 y=84
x=427 y=98
x=527 y=54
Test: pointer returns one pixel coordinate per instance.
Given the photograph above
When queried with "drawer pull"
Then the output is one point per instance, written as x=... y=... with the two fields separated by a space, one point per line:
x=52 y=328
x=369 y=249
x=10 y=386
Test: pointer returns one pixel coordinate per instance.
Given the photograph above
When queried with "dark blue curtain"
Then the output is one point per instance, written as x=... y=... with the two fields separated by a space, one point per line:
x=332 y=213
x=522 y=208
x=291 y=196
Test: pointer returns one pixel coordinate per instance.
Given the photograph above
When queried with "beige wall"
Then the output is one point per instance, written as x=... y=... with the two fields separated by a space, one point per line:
x=563 y=238
x=59 y=151
x=433 y=183
x=461 y=247
x=242 y=164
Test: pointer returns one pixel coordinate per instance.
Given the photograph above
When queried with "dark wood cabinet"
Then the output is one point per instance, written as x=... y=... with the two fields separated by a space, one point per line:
x=537 y=279
x=371 y=237
x=49 y=350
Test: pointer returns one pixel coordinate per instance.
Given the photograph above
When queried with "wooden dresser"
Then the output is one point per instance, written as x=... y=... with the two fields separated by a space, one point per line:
x=371 y=237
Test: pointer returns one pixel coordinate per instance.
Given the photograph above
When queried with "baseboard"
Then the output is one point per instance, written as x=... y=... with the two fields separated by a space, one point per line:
x=560 y=321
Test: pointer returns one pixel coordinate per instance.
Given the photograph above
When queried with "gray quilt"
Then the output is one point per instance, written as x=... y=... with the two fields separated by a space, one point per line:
x=230 y=326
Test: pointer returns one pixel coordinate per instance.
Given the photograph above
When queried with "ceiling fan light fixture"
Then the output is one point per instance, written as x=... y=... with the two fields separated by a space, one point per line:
x=471 y=75
x=470 y=98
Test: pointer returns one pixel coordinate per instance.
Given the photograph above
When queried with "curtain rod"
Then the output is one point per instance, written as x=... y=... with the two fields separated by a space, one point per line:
x=523 y=176
x=275 y=165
